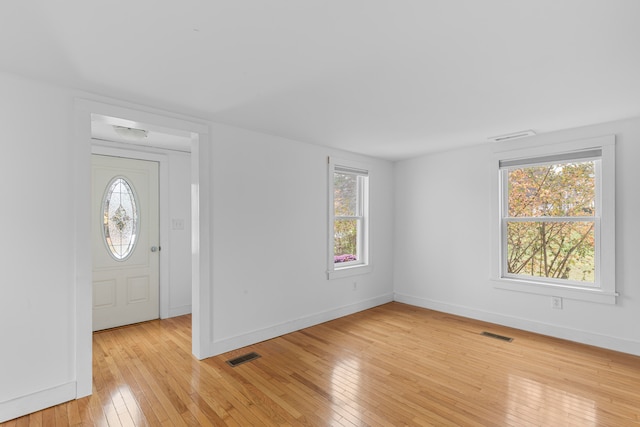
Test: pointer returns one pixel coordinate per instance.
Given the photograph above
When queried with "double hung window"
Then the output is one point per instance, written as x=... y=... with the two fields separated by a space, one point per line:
x=348 y=244
x=556 y=220
x=551 y=217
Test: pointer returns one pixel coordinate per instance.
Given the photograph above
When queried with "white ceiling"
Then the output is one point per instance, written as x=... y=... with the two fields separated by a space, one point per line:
x=388 y=78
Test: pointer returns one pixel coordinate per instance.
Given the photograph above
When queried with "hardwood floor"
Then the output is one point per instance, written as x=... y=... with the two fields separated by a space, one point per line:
x=388 y=366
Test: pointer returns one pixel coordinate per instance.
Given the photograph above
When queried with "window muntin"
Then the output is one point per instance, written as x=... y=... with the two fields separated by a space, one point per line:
x=550 y=220
x=348 y=217
x=120 y=218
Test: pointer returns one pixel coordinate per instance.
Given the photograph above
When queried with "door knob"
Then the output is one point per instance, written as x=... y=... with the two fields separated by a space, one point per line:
x=155 y=248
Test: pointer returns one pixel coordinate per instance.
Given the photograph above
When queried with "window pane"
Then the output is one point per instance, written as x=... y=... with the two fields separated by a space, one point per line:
x=566 y=189
x=345 y=240
x=345 y=194
x=561 y=250
x=120 y=215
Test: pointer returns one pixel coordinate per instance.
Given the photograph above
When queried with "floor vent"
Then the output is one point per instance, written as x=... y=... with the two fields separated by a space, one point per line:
x=496 y=336
x=243 y=359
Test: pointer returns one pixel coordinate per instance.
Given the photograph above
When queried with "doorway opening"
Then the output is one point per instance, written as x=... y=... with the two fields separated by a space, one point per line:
x=134 y=133
x=171 y=150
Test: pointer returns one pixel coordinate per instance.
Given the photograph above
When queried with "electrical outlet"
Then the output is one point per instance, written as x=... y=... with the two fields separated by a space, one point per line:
x=556 y=302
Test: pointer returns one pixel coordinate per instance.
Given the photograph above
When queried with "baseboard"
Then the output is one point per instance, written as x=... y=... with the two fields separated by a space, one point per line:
x=222 y=346
x=38 y=401
x=179 y=311
x=576 y=335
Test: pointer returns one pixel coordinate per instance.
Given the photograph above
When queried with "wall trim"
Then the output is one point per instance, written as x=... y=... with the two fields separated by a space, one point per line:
x=179 y=311
x=264 y=334
x=569 y=334
x=37 y=401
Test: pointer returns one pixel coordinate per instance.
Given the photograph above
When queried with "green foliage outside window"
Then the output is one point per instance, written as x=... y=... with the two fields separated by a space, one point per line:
x=345 y=225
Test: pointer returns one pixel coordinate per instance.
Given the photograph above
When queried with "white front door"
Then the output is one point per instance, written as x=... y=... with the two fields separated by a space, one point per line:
x=125 y=241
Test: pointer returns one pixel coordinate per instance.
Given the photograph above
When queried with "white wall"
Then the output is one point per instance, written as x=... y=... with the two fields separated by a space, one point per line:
x=179 y=239
x=270 y=238
x=443 y=244
x=269 y=218
x=37 y=252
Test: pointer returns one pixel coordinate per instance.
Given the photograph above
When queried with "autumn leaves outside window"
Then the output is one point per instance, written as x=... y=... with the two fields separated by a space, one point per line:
x=550 y=218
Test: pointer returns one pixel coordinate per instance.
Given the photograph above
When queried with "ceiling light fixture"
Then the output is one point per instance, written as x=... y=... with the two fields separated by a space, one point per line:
x=515 y=135
x=130 y=133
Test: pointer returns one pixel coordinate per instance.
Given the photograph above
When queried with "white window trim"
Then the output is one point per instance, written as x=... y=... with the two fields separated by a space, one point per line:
x=605 y=291
x=362 y=266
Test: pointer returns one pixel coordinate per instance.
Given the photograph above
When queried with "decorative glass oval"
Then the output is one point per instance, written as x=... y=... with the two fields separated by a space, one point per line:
x=120 y=212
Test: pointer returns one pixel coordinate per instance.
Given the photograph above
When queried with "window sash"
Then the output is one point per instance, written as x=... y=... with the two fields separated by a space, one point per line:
x=551 y=280
x=359 y=242
x=360 y=215
x=504 y=181
x=580 y=156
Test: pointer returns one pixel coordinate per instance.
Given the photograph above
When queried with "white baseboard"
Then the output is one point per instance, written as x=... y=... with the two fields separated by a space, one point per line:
x=179 y=311
x=222 y=346
x=38 y=401
x=576 y=335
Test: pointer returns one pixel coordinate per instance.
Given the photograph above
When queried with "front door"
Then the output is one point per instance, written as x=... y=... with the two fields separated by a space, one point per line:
x=125 y=241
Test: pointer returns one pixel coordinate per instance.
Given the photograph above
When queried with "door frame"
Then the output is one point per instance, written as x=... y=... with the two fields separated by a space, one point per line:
x=101 y=148
x=202 y=319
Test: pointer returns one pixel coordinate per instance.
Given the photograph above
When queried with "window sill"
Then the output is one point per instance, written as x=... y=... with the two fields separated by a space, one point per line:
x=353 y=270
x=570 y=292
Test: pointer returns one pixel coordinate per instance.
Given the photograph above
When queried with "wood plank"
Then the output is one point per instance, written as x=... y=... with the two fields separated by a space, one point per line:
x=394 y=364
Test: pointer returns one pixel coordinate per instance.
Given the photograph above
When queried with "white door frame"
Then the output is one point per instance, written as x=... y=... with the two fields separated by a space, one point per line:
x=202 y=322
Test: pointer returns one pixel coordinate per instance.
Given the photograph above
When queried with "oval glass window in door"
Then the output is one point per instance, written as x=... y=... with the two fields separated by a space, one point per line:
x=120 y=211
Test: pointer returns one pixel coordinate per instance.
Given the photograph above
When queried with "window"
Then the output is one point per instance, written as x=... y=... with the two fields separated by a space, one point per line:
x=550 y=215
x=556 y=220
x=120 y=218
x=348 y=218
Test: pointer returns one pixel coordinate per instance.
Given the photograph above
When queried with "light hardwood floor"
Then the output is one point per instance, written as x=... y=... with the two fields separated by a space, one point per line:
x=388 y=366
